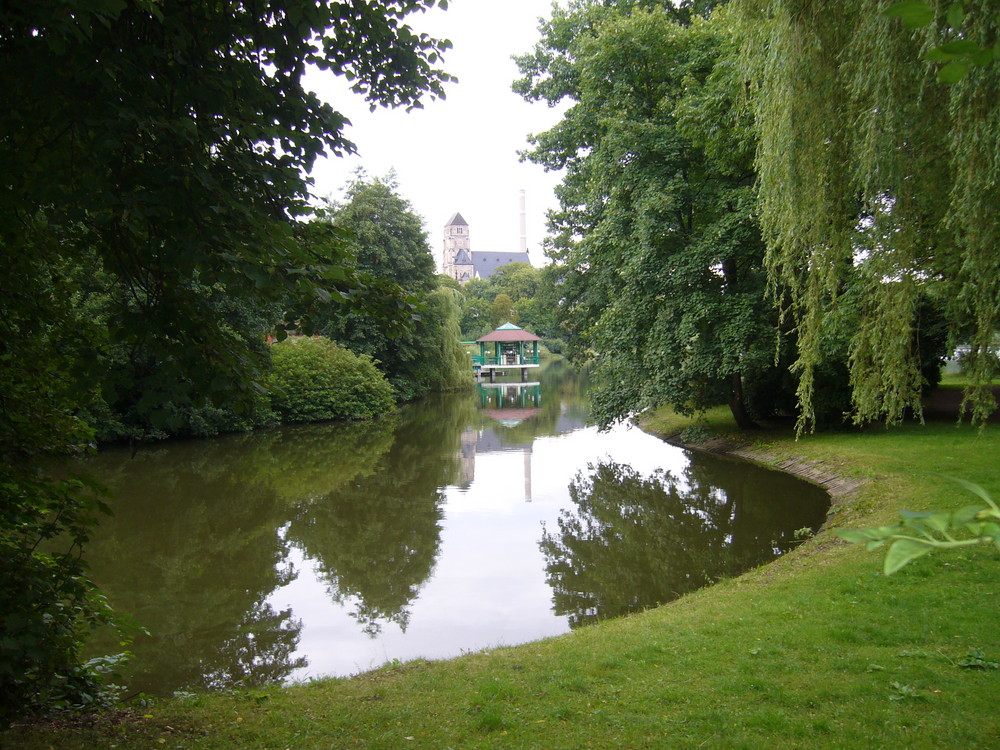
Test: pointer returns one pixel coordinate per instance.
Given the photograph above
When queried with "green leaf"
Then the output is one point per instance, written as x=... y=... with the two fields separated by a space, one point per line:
x=984 y=56
x=990 y=529
x=953 y=71
x=913 y=13
x=960 y=47
x=936 y=54
x=965 y=515
x=939 y=521
x=955 y=15
x=904 y=551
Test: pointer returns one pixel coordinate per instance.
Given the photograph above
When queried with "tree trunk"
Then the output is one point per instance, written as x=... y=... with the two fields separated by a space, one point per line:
x=737 y=405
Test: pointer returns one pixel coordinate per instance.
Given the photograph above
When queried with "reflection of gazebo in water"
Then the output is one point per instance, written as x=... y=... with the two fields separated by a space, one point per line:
x=510 y=403
x=510 y=351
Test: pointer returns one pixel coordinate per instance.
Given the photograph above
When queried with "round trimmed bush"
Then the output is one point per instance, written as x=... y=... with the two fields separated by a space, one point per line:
x=314 y=379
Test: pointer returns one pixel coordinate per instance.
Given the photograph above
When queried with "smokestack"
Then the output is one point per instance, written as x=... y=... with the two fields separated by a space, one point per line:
x=524 y=224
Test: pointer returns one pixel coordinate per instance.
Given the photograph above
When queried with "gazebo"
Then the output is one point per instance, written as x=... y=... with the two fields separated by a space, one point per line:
x=509 y=351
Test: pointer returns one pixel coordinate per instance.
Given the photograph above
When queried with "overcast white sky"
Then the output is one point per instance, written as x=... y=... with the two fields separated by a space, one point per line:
x=459 y=154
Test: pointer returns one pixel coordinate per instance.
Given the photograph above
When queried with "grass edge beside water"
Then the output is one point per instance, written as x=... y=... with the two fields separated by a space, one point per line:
x=817 y=648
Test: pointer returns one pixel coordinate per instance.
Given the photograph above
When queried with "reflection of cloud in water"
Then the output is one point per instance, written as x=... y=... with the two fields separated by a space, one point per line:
x=488 y=586
x=419 y=519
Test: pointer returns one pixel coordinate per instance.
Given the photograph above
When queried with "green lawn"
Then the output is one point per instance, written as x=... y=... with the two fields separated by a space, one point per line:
x=815 y=650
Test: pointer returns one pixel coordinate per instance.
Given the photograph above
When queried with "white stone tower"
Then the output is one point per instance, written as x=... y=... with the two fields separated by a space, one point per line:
x=456 y=259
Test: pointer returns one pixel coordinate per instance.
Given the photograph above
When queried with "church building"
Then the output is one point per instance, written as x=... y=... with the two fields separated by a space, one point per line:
x=462 y=263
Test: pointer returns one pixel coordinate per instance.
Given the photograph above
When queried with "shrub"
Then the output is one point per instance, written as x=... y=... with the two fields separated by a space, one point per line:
x=314 y=379
x=124 y=423
x=554 y=345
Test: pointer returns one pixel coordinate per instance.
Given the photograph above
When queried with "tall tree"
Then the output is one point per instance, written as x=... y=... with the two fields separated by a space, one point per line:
x=170 y=141
x=662 y=257
x=389 y=245
x=878 y=176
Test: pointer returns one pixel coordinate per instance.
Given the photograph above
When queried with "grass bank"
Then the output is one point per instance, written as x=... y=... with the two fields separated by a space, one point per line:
x=815 y=650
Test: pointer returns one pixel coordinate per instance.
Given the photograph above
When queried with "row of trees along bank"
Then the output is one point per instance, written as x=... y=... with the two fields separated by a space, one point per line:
x=784 y=210
x=154 y=158
x=368 y=359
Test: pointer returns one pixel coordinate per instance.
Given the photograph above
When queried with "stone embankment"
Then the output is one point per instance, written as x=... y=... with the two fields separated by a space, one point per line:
x=836 y=485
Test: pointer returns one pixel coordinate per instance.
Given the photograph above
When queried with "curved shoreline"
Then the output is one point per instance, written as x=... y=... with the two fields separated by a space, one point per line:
x=816 y=648
x=837 y=485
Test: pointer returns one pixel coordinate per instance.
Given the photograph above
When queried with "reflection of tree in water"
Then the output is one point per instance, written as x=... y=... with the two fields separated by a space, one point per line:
x=191 y=554
x=310 y=461
x=375 y=540
x=260 y=653
x=634 y=542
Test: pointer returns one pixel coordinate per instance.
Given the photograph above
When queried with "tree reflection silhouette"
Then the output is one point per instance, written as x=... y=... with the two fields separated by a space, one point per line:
x=634 y=541
x=259 y=653
x=375 y=540
x=191 y=554
x=195 y=547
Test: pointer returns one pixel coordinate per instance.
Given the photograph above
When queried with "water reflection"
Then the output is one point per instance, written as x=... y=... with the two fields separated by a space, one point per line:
x=191 y=554
x=634 y=541
x=329 y=549
x=375 y=541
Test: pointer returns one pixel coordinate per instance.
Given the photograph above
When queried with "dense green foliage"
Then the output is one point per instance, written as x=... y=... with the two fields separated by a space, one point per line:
x=152 y=153
x=665 y=277
x=442 y=326
x=516 y=293
x=389 y=245
x=129 y=382
x=314 y=379
x=660 y=252
x=876 y=175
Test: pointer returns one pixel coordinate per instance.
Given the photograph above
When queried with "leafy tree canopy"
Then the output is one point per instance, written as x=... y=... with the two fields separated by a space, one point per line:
x=385 y=235
x=661 y=256
x=389 y=246
x=174 y=139
x=164 y=144
x=878 y=168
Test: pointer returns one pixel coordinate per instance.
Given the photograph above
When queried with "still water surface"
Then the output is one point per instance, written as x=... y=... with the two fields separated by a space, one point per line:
x=462 y=522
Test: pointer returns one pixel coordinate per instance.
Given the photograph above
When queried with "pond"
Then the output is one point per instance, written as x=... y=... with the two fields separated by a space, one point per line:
x=463 y=522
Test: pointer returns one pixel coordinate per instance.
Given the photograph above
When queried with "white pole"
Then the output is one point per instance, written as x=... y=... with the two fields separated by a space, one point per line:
x=524 y=224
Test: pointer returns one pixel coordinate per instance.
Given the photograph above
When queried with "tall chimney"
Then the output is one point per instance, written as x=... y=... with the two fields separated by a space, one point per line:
x=524 y=224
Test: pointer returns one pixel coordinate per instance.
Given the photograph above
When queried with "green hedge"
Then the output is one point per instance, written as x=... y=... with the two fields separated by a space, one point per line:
x=314 y=379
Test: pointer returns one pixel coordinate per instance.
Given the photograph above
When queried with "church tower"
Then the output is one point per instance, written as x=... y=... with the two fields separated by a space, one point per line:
x=457 y=258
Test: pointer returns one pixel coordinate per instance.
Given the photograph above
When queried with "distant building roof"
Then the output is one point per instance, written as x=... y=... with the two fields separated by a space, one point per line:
x=509 y=332
x=457 y=220
x=487 y=263
x=462 y=258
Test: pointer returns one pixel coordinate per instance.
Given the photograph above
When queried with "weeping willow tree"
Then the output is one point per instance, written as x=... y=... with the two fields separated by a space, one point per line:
x=879 y=177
